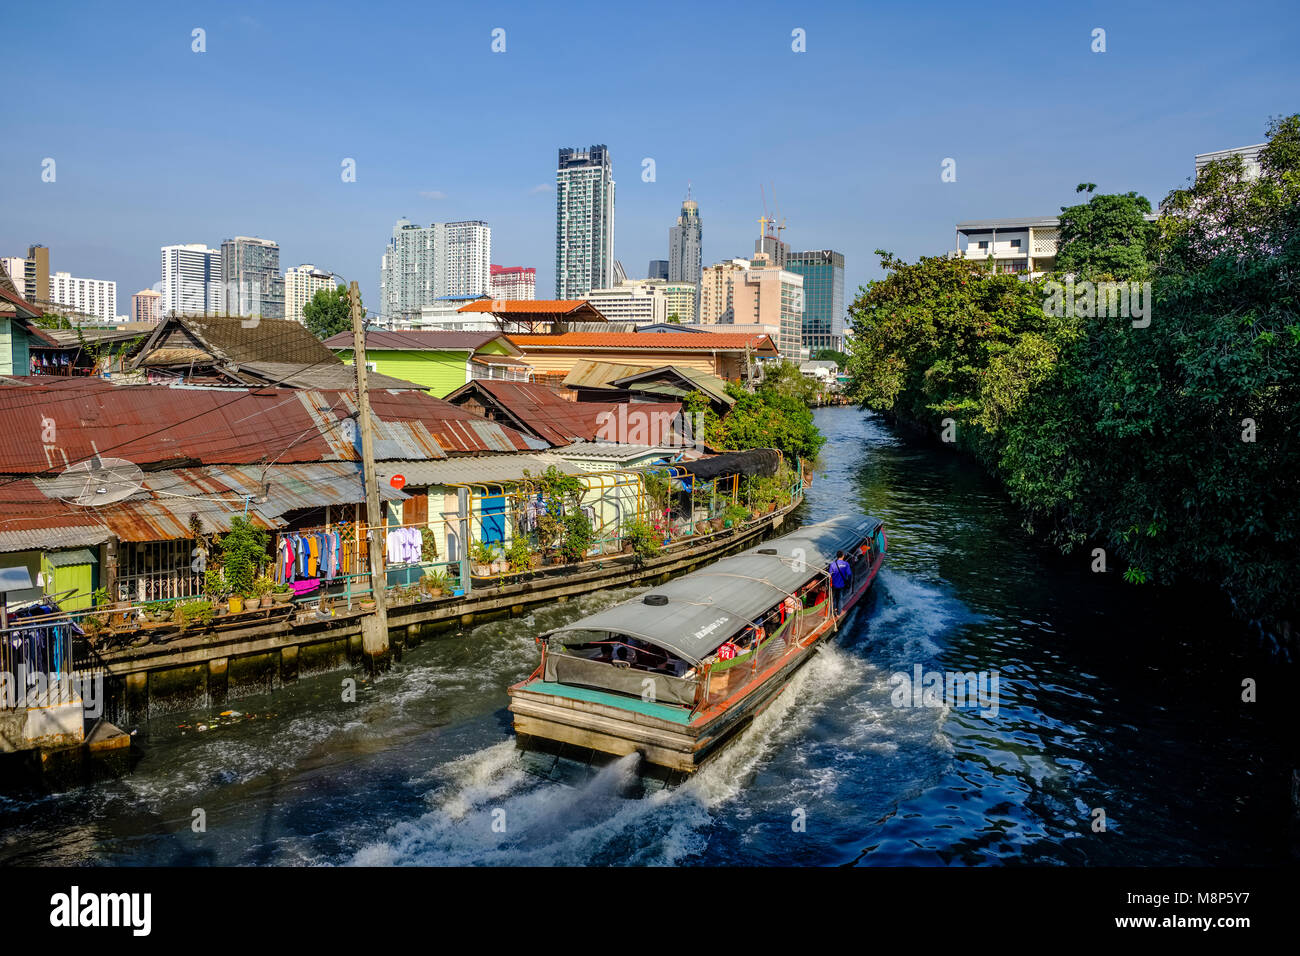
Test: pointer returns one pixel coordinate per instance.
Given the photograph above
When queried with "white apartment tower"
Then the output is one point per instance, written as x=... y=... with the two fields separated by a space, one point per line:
x=584 y=222
x=97 y=297
x=422 y=264
x=191 y=280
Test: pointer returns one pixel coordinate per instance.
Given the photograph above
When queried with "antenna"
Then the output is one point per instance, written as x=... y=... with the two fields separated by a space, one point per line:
x=97 y=481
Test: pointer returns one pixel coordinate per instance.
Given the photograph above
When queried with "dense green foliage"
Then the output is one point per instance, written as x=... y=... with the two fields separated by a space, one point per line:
x=1107 y=236
x=328 y=313
x=774 y=415
x=1175 y=447
x=243 y=555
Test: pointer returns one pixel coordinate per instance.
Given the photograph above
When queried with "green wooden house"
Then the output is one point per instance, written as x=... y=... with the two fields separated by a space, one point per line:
x=441 y=361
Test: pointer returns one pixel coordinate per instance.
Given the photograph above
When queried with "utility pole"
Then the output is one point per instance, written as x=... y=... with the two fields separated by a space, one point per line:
x=374 y=627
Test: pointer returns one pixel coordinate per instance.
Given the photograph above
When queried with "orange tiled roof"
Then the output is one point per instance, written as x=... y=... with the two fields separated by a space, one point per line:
x=506 y=306
x=672 y=341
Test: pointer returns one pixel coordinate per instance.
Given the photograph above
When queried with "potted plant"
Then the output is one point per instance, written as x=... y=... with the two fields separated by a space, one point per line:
x=262 y=586
x=642 y=538
x=482 y=556
x=191 y=613
x=578 y=536
x=281 y=593
x=519 y=555
x=243 y=556
x=215 y=586
x=717 y=522
x=162 y=611
x=434 y=583
x=734 y=515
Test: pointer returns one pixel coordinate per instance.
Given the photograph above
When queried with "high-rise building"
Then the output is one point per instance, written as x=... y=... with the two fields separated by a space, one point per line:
x=31 y=274
x=97 y=297
x=823 y=297
x=684 y=246
x=144 y=306
x=250 y=271
x=584 y=222
x=514 y=282
x=777 y=251
x=765 y=294
x=301 y=283
x=191 y=280
x=715 y=290
x=423 y=264
x=658 y=269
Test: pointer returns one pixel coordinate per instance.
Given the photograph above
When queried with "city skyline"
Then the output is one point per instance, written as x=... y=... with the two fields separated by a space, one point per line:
x=850 y=173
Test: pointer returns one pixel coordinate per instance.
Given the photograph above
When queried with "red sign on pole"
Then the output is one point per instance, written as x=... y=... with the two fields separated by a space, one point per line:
x=397 y=481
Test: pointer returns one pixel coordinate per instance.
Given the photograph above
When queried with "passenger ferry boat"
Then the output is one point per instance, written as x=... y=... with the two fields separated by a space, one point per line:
x=680 y=671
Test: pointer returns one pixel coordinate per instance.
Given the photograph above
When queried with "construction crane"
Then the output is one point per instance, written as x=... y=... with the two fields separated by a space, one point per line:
x=777 y=208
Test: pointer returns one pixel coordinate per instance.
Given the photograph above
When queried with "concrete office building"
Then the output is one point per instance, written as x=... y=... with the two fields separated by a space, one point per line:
x=715 y=290
x=584 y=222
x=765 y=294
x=31 y=274
x=250 y=273
x=640 y=302
x=191 y=280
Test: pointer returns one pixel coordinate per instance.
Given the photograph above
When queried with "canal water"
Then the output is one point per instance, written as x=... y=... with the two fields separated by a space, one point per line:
x=1117 y=734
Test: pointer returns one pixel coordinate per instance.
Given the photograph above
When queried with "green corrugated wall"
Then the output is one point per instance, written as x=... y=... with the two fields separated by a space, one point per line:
x=440 y=372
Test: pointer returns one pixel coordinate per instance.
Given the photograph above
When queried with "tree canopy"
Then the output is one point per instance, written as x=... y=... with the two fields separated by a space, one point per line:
x=1172 y=446
x=328 y=313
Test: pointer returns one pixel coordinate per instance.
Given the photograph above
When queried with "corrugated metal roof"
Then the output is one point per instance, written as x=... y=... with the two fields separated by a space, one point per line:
x=601 y=449
x=156 y=424
x=538 y=409
x=161 y=509
x=485 y=470
x=589 y=374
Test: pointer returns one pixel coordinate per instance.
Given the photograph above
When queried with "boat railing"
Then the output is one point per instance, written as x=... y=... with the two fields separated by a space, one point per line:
x=726 y=677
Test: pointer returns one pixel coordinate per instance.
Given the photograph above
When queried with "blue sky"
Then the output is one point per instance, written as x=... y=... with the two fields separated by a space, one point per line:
x=157 y=144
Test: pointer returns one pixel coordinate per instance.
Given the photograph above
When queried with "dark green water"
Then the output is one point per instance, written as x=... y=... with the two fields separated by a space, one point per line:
x=1110 y=697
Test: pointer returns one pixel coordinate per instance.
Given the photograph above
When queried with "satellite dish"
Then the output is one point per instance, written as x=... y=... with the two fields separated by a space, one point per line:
x=97 y=481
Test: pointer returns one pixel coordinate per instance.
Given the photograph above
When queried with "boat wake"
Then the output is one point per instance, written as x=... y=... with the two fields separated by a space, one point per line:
x=834 y=720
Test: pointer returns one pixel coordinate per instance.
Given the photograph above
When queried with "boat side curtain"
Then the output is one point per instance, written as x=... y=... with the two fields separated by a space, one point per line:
x=577 y=671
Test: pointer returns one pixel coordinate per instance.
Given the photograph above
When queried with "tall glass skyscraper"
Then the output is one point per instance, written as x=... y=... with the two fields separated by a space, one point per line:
x=584 y=222
x=684 y=248
x=823 y=297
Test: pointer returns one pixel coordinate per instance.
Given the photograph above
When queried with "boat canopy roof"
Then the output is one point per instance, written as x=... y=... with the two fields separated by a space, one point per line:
x=694 y=614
